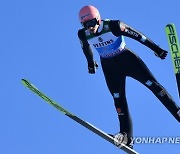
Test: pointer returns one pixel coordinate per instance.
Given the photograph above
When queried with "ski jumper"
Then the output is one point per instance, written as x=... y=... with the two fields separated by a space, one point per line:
x=118 y=62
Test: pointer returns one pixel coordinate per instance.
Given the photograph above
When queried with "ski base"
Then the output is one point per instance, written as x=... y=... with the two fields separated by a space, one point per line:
x=89 y=126
x=175 y=51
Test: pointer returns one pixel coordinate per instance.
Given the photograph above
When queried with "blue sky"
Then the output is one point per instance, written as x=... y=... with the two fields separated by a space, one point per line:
x=38 y=41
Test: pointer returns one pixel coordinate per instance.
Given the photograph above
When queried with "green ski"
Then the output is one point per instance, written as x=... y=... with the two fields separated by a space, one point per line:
x=175 y=51
x=89 y=126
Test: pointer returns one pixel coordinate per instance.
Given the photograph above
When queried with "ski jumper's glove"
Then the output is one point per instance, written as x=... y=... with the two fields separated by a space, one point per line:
x=161 y=53
x=92 y=66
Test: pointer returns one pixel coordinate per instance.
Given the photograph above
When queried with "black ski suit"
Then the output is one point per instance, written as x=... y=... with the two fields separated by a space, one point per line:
x=118 y=62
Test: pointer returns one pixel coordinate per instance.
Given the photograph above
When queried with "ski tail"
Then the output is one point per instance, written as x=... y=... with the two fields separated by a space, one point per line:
x=87 y=125
x=175 y=51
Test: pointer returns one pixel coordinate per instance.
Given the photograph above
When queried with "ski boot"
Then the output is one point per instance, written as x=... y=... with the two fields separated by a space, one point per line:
x=122 y=138
x=178 y=113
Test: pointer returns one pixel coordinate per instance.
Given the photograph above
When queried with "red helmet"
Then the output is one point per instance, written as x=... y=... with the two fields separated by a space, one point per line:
x=88 y=13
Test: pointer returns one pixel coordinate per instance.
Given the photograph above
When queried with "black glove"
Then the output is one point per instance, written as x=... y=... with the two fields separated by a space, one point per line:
x=92 y=66
x=161 y=53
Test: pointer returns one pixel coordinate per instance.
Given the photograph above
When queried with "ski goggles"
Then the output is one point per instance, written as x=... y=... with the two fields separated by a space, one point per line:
x=90 y=23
